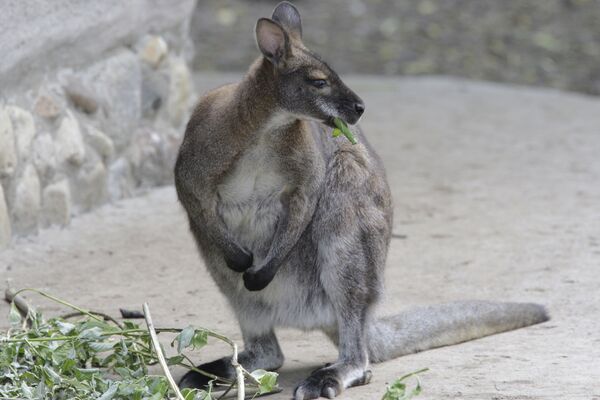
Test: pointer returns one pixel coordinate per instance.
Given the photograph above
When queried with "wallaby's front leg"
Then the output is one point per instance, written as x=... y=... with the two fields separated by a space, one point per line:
x=298 y=209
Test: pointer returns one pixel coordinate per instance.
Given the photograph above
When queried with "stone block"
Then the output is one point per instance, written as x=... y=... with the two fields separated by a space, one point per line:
x=5 y=229
x=91 y=186
x=56 y=205
x=43 y=155
x=69 y=142
x=26 y=205
x=46 y=106
x=153 y=50
x=23 y=129
x=8 y=150
x=180 y=91
x=100 y=142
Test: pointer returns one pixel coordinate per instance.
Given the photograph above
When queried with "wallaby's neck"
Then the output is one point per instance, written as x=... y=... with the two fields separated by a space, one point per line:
x=258 y=105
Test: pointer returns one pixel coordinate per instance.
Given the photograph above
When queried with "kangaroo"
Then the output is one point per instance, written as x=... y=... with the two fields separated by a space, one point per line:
x=294 y=225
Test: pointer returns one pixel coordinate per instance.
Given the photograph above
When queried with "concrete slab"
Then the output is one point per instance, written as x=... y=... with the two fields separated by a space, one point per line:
x=497 y=193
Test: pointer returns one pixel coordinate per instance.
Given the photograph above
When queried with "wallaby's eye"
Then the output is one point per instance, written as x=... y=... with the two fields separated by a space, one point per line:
x=318 y=83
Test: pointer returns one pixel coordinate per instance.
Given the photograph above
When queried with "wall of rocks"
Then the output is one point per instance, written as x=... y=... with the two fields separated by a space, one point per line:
x=91 y=110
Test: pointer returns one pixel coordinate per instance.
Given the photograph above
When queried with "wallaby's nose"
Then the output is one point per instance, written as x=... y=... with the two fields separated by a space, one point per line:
x=359 y=107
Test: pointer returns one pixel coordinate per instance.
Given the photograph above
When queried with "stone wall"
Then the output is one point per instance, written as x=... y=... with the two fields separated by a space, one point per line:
x=93 y=99
x=552 y=43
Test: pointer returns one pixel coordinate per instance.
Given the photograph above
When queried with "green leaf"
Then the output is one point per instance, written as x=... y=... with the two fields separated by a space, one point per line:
x=64 y=327
x=109 y=394
x=175 y=360
x=184 y=339
x=267 y=380
x=14 y=316
x=91 y=333
x=343 y=127
x=200 y=339
x=336 y=132
x=397 y=390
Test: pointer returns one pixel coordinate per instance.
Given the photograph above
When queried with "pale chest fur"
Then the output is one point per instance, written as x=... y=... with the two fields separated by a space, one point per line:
x=249 y=198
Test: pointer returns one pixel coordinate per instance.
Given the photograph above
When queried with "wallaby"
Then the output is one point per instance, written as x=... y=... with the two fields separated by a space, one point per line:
x=294 y=225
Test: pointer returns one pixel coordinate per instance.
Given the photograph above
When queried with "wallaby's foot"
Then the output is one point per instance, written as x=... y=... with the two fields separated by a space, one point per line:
x=258 y=278
x=330 y=381
x=195 y=380
x=240 y=260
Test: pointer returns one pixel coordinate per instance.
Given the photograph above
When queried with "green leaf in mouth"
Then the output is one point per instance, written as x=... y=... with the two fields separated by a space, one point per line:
x=342 y=128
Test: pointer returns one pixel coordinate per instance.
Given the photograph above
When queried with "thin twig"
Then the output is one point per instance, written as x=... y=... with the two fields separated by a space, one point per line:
x=100 y=314
x=159 y=353
x=239 y=373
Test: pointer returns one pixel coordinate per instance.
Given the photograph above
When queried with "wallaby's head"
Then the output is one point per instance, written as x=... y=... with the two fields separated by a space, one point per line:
x=305 y=85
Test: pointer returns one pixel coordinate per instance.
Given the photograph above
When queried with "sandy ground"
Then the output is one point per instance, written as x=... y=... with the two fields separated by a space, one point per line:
x=497 y=190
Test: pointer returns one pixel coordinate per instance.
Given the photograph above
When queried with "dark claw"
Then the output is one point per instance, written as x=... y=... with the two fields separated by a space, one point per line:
x=240 y=260
x=260 y=279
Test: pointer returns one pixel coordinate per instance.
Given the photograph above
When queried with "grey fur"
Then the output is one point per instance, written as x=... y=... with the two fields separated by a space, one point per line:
x=294 y=225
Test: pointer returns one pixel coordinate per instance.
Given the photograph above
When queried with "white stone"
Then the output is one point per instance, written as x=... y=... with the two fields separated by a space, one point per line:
x=180 y=90
x=69 y=142
x=5 y=230
x=120 y=179
x=56 y=208
x=101 y=143
x=154 y=50
x=43 y=155
x=8 y=153
x=26 y=207
x=91 y=184
x=46 y=106
x=23 y=129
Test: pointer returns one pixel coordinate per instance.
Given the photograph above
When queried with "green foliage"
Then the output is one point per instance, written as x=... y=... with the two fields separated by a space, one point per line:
x=398 y=389
x=93 y=359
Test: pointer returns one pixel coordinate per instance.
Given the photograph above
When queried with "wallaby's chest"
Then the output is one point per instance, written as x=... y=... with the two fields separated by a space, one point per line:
x=249 y=198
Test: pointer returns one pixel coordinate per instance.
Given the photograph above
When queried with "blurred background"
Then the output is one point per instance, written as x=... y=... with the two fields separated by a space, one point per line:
x=494 y=176
x=554 y=43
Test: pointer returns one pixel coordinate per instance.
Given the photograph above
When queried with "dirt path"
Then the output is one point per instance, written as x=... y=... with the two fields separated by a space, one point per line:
x=497 y=192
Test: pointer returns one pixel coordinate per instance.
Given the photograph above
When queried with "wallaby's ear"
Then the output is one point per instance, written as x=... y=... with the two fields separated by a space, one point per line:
x=272 y=40
x=289 y=17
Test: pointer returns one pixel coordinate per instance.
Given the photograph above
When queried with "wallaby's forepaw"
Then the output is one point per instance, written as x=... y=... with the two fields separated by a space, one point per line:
x=240 y=260
x=257 y=278
x=329 y=382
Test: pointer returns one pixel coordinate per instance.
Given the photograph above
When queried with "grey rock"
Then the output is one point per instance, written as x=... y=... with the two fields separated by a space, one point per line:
x=56 y=209
x=69 y=142
x=117 y=81
x=153 y=50
x=5 y=229
x=26 y=205
x=8 y=151
x=121 y=183
x=91 y=186
x=100 y=142
x=180 y=90
x=155 y=91
x=43 y=155
x=46 y=106
x=23 y=129
x=82 y=95
x=152 y=157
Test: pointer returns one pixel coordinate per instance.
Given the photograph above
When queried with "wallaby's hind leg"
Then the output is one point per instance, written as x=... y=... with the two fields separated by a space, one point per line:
x=351 y=240
x=260 y=351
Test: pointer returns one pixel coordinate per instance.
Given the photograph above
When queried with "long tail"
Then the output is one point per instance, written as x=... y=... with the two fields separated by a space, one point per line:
x=429 y=327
